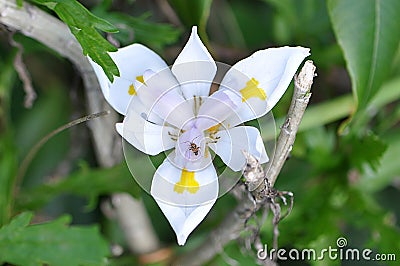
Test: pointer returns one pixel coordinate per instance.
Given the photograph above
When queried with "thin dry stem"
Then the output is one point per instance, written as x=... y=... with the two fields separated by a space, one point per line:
x=33 y=151
x=23 y=73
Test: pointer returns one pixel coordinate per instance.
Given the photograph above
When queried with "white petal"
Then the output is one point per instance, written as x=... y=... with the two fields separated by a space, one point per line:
x=184 y=197
x=217 y=107
x=137 y=106
x=262 y=79
x=181 y=187
x=184 y=219
x=160 y=94
x=131 y=61
x=194 y=68
x=233 y=141
x=145 y=136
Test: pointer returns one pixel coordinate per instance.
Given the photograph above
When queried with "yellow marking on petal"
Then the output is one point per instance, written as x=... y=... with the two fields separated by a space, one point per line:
x=132 y=90
x=187 y=182
x=140 y=79
x=252 y=90
x=214 y=129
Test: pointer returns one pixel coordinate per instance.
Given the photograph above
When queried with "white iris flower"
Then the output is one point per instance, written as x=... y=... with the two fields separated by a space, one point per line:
x=173 y=109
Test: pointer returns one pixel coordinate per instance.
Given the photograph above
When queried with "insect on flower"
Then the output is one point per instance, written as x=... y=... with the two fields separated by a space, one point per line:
x=172 y=109
x=193 y=146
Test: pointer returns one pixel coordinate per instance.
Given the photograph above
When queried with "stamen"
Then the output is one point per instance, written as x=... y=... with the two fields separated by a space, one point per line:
x=140 y=79
x=174 y=137
x=196 y=108
x=214 y=129
x=131 y=90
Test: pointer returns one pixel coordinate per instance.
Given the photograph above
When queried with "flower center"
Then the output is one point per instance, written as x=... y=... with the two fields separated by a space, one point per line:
x=192 y=145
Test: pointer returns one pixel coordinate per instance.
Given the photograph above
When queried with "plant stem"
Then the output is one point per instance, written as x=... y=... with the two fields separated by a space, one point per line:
x=33 y=151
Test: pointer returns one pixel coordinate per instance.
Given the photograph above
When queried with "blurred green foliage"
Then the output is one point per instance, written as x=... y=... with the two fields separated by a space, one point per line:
x=137 y=29
x=343 y=169
x=40 y=241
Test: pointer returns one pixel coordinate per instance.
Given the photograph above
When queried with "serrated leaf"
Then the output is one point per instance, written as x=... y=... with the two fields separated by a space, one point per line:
x=84 y=25
x=90 y=183
x=366 y=150
x=388 y=169
x=368 y=33
x=53 y=243
x=96 y=47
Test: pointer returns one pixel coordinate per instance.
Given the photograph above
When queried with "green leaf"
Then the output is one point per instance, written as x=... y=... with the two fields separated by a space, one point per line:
x=368 y=33
x=84 y=26
x=8 y=169
x=90 y=183
x=365 y=151
x=137 y=29
x=53 y=243
x=8 y=149
x=388 y=169
x=194 y=13
x=320 y=144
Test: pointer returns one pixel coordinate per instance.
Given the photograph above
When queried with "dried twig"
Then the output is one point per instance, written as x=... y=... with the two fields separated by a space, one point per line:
x=260 y=187
x=300 y=99
x=23 y=73
x=169 y=12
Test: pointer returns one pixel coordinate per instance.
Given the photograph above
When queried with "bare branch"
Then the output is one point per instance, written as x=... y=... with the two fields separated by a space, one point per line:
x=287 y=136
x=235 y=222
x=123 y=204
x=23 y=73
x=169 y=12
x=254 y=174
